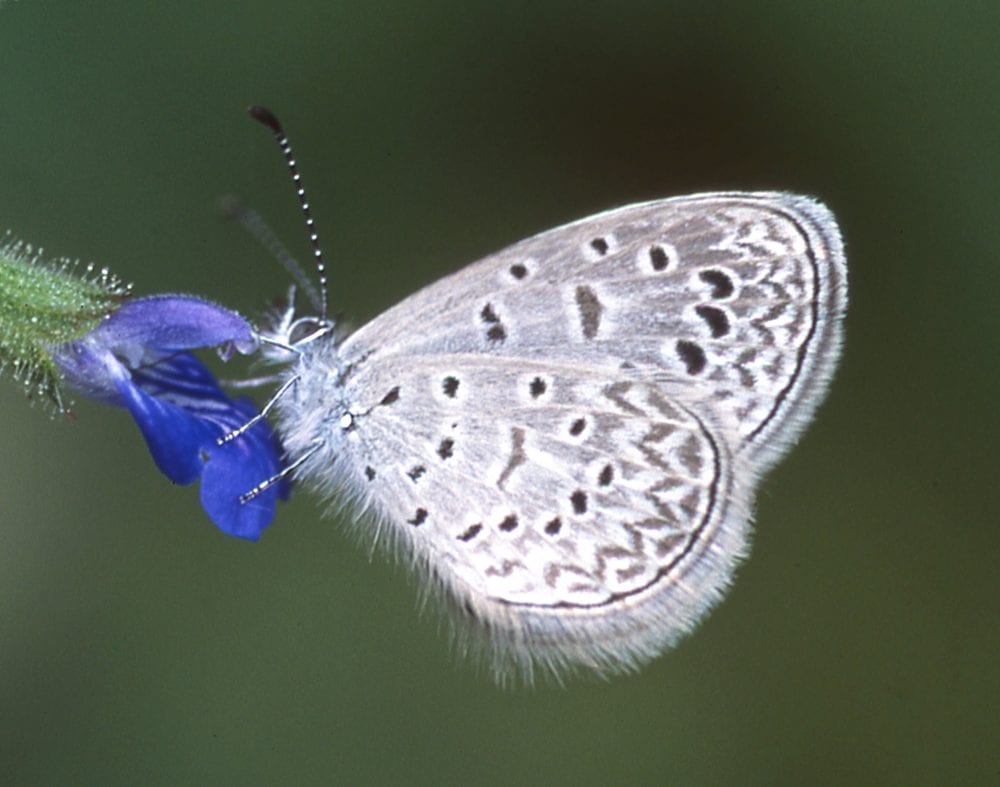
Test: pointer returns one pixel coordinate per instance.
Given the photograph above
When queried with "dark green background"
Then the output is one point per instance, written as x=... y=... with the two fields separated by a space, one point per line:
x=860 y=642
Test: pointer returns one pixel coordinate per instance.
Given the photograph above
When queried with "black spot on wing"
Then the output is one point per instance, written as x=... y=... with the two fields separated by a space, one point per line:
x=590 y=308
x=715 y=319
x=692 y=356
x=722 y=286
x=658 y=258
x=600 y=245
x=415 y=472
x=488 y=315
x=495 y=332
x=517 y=455
x=419 y=517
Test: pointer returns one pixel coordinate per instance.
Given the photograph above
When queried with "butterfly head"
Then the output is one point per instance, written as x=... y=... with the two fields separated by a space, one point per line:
x=284 y=333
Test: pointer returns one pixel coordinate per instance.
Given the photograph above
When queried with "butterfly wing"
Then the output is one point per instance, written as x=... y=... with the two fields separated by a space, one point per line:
x=566 y=436
x=738 y=295
x=571 y=518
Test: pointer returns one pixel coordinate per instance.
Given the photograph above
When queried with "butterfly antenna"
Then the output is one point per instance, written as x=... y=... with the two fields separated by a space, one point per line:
x=265 y=116
x=234 y=209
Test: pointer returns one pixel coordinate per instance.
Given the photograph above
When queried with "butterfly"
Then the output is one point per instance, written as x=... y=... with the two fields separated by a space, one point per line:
x=564 y=439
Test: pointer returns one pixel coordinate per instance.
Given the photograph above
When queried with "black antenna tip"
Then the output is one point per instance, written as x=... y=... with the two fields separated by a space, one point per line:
x=267 y=117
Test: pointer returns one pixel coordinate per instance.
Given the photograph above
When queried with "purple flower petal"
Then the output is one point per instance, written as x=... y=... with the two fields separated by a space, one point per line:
x=174 y=322
x=181 y=412
x=142 y=332
x=136 y=359
x=235 y=468
x=175 y=435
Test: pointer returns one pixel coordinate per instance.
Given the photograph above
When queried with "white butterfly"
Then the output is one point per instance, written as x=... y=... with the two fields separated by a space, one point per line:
x=565 y=437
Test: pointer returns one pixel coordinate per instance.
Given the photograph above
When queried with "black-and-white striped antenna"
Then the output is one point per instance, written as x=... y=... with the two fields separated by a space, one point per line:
x=268 y=118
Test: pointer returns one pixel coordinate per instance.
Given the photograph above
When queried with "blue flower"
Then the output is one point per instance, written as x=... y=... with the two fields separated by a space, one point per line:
x=138 y=359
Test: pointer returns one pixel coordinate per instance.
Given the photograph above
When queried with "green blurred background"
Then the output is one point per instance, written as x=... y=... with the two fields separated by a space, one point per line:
x=859 y=644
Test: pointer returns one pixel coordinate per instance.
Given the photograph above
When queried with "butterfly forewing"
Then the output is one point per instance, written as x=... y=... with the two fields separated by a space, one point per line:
x=737 y=294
